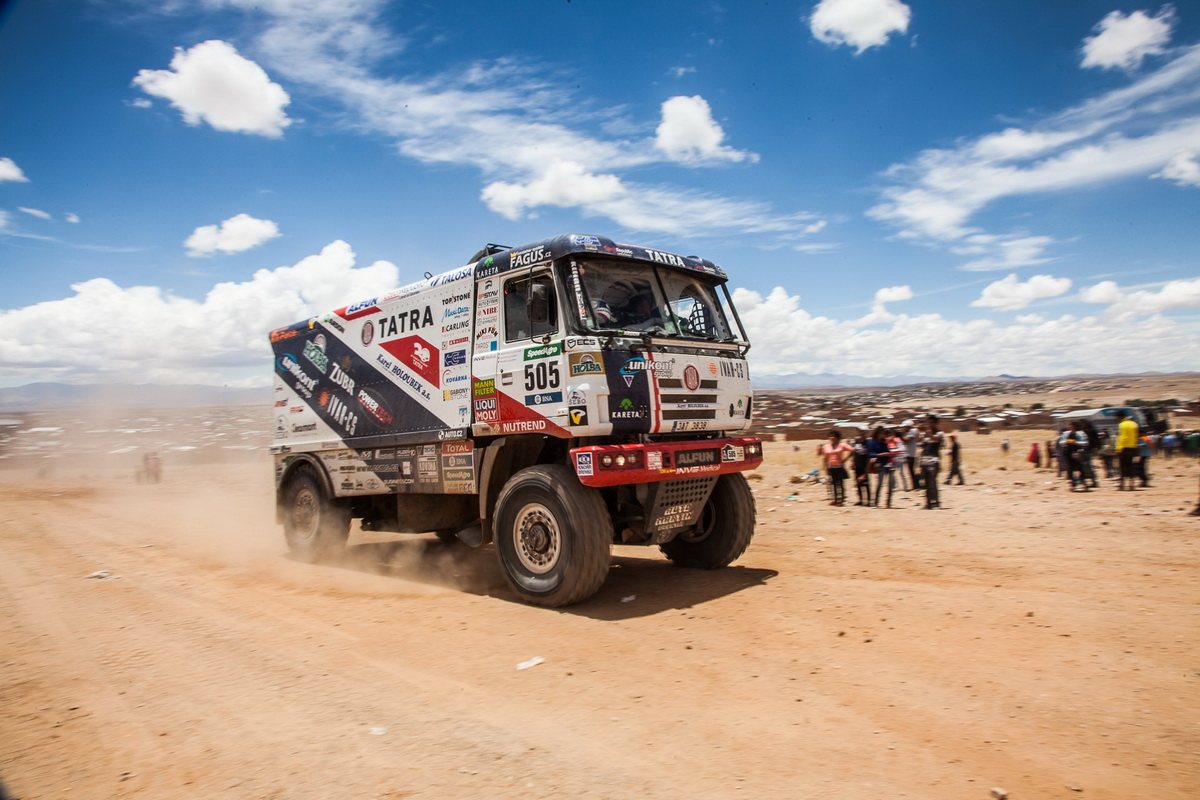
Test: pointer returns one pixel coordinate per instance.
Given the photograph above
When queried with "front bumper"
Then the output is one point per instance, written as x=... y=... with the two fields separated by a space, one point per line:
x=621 y=464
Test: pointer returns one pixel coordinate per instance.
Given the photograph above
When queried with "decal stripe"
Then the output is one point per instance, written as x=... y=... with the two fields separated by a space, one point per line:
x=655 y=403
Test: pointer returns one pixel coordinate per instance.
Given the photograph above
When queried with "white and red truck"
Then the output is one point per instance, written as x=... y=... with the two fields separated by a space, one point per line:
x=553 y=399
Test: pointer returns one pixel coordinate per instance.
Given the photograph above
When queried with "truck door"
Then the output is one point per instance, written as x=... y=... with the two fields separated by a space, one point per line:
x=526 y=369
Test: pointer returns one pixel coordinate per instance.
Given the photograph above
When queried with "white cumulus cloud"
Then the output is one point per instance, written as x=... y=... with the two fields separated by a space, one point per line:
x=9 y=171
x=1128 y=301
x=562 y=183
x=34 y=212
x=71 y=217
x=213 y=83
x=1011 y=293
x=169 y=339
x=235 y=235
x=688 y=132
x=1182 y=170
x=1123 y=41
x=860 y=24
x=801 y=342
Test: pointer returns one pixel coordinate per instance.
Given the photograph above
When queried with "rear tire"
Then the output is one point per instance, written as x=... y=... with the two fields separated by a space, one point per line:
x=724 y=531
x=315 y=525
x=553 y=536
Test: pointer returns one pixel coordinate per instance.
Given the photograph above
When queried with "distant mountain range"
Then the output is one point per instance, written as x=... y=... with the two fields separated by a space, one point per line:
x=36 y=396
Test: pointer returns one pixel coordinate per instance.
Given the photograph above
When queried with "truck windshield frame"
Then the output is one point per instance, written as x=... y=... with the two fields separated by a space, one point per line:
x=614 y=297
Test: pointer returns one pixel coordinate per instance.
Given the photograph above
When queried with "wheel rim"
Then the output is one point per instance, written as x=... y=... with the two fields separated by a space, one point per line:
x=537 y=539
x=704 y=528
x=305 y=515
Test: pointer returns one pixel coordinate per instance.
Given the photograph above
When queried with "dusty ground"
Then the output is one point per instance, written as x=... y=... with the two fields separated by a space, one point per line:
x=1024 y=637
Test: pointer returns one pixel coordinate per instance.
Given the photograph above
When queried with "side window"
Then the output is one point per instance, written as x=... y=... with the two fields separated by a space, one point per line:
x=530 y=307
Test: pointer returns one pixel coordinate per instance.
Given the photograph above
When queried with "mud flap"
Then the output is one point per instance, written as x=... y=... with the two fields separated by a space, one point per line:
x=674 y=506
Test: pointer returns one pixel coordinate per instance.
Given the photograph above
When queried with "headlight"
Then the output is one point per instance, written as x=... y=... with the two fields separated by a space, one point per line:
x=620 y=461
x=752 y=449
x=606 y=461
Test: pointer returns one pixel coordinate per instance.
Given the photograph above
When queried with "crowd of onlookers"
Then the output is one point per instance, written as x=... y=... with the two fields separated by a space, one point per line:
x=1123 y=454
x=912 y=458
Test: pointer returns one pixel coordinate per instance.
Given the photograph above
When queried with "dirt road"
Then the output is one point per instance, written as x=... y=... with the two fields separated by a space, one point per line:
x=1024 y=638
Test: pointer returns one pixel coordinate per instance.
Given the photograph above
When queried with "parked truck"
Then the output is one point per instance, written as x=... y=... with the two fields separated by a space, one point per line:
x=552 y=399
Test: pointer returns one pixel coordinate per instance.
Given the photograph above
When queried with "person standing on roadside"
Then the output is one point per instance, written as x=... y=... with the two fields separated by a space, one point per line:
x=931 y=460
x=899 y=458
x=955 y=461
x=1145 y=450
x=912 y=439
x=834 y=453
x=1127 y=450
x=1076 y=443
x=881 y=460
x=862 y=470
x=1034 y=457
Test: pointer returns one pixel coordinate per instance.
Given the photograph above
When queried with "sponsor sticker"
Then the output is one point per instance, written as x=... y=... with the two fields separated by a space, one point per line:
x=485 y=387
x=732 y=452
x=654 y=460
x=693 y=458
x=544 y=351
x=543 y=398
x=416 y=354
x=583 y=465
x=454 y=358
x=585 y=364
x=578 y=415
x=314 y=352
x=576 y=398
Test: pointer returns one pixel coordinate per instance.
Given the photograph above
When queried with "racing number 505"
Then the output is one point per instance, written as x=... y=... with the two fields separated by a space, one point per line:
x=542 y=375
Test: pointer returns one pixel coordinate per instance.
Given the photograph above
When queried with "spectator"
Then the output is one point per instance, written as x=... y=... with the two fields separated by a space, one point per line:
x=1004 y=447
x=912 y=440
x=1145 y=450
x=1108 y=454
x=899 y=458
x=1169 y=442
x=955 y=461
x=1035 y=455
x=862 y=471
x=1127 y=450
x=1076 y=445
x=1093 y=444
x=931 y=459
x=834 y=453
x=881 y=459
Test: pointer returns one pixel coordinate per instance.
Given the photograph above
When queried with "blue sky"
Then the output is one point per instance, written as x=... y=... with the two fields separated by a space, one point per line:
x=946 y=189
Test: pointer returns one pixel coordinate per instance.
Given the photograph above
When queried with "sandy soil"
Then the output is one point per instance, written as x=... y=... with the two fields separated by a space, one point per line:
x=1024 y=637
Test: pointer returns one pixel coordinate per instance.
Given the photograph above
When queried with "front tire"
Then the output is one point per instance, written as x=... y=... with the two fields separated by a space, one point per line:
x=724 y=531
x=553 y=536
x=315 y=525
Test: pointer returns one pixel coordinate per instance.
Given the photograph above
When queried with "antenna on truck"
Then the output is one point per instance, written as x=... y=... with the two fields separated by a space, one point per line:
x=489 y=249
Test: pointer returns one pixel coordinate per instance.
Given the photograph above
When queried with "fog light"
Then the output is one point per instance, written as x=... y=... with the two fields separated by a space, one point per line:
x=633 y=459
x=606 y=461
x=620 y=461
x=752 y=449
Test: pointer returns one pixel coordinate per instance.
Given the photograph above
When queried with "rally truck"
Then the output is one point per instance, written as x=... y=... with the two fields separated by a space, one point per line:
x=552 y=399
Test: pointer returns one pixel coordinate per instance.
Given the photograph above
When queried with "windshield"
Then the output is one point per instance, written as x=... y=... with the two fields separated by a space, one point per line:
x=621 y=296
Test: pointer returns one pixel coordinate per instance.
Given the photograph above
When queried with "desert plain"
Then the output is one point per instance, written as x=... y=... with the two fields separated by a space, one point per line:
x=158 y=642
